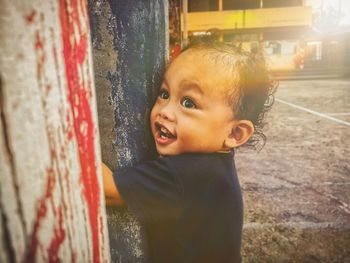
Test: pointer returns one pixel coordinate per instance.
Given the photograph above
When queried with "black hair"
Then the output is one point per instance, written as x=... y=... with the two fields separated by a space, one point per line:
x=252 y=92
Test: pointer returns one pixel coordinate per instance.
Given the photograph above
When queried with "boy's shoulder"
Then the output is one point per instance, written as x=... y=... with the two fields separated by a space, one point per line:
x=190 y=157
x=200 y=155
x=188 y=163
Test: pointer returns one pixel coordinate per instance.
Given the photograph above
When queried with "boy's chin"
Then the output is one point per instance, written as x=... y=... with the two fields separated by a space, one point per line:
x=167 y=152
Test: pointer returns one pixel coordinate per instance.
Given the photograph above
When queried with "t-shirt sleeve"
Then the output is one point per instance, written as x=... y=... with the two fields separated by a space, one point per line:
x=150 y=190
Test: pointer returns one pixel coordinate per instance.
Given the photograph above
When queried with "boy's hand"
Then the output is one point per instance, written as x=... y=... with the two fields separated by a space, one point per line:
x=112 y=195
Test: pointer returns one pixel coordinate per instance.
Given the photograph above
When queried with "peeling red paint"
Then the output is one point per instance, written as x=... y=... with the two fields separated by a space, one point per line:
x=39 y=43
x=53 y=153
x=47 y=201
x=63 y=154
x=70 y=133
x=102 y=231
x=75 y=48
x=59 y=232
x=40 y=53
x=30 y=18
x=48 y=89
x=40 y=215
x=69 y=129
x=56 y=242
x=54 y=52
x=74 y=257
x=66 y=177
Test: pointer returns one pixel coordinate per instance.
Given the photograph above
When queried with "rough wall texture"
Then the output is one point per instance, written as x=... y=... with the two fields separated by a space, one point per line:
x=51 y=202
x=130 y=47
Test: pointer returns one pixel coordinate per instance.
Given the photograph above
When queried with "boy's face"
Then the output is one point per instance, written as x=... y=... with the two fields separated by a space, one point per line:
x=191 y=113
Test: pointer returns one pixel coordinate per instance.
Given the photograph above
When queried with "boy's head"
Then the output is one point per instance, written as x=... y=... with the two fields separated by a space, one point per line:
x=212 y=99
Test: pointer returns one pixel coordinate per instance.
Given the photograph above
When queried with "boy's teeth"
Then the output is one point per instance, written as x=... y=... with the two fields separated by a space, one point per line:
x=162 y=129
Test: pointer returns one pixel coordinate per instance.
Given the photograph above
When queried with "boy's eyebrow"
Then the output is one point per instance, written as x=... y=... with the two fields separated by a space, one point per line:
x=188 y=85
x=192 y=85
x=165 y=81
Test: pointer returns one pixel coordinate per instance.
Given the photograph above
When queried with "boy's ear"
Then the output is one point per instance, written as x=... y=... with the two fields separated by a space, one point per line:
x=241 y=131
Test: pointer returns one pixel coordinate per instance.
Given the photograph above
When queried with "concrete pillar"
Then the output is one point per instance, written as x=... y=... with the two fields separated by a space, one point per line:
x=130 y=40
x=51 y=202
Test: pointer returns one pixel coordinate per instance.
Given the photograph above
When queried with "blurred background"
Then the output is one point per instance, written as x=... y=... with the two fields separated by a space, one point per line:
x=299 y=37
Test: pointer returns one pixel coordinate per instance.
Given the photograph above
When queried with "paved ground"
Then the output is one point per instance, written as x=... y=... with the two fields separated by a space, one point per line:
x=297 y=189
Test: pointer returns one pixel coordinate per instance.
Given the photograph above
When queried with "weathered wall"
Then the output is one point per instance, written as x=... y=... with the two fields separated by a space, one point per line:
x=130 y=47
x=51 y=202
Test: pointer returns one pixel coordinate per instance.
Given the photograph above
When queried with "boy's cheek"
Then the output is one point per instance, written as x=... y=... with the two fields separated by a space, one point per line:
x=154 y=110
x=152 y=115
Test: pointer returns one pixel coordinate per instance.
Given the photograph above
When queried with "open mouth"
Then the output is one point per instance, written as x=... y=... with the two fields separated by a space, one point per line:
x=163 y=132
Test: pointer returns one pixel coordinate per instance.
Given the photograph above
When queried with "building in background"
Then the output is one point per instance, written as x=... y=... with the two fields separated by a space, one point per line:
x=281 y=27
x=284 y=29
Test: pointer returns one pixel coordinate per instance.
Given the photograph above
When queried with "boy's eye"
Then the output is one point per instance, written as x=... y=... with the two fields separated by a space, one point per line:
x=188 y=103
x=163 y=94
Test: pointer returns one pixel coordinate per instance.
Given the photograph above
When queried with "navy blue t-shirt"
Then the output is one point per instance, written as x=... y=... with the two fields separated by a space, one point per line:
x=189 y=205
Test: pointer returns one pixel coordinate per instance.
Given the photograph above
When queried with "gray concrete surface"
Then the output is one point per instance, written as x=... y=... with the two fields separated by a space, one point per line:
x=129 y=53
x=297 y=188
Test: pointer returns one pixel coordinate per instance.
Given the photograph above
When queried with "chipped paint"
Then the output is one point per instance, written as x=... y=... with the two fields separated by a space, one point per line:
x=30 y=18
x=40 y=216
x=51 y=207
x=75 y=52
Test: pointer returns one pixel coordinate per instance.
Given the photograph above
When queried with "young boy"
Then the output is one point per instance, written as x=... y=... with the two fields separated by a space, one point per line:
x=189 y=200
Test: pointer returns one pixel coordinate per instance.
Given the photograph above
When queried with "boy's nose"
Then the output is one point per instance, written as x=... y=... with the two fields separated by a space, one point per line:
x=167 y=112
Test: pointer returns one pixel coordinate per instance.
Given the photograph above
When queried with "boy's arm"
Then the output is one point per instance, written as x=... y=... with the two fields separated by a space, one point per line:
x=112 y=195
